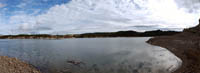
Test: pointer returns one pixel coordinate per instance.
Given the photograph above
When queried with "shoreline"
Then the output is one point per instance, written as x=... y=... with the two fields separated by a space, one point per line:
x=14 y=65
x=92 y=35
x=187 y=48
x=185 y=45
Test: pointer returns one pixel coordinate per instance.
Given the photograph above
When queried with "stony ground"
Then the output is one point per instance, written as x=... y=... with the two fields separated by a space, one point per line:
x=13 y=65
x=185 y=45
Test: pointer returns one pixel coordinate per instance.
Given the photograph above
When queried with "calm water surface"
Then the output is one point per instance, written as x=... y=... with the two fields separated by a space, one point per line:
x=97 y=55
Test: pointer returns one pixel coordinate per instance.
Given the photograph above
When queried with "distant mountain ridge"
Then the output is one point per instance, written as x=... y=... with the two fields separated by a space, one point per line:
x=129 y=33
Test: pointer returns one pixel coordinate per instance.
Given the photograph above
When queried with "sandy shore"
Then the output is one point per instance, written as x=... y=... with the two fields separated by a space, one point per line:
x=13 y=65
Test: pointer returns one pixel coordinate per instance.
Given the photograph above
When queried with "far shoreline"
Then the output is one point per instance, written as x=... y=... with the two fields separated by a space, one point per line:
x=92 y=35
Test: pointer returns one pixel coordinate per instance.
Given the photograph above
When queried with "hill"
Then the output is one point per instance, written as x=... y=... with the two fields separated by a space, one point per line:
x=92 y=35
x=185 y=45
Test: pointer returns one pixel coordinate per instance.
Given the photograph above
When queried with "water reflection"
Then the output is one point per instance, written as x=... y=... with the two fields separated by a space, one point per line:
x=98 y=55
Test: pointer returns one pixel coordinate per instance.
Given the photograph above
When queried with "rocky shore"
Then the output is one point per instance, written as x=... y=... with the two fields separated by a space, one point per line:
x=185 y=45
x=13 y=65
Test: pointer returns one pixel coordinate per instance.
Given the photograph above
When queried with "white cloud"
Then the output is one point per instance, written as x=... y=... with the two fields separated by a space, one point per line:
x=79 y=16
x=22 y=5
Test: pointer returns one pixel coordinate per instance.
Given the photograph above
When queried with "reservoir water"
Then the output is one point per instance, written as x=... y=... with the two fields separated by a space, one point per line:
x=92 y=55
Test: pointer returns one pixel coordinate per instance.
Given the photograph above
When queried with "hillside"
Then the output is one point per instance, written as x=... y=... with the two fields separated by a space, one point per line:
x=92 y=35
x=185 y=45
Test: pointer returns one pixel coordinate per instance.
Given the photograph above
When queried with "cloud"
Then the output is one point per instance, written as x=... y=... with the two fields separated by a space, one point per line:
x=25 y=3
x=81 y=16
x=2 y=5
x=21 y=5
x=191 y=5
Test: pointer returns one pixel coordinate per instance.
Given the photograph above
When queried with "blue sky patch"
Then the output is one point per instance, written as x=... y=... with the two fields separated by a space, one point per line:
x=28 y=6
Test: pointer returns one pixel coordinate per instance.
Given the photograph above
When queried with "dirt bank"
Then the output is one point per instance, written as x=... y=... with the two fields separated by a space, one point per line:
x=13 y=65
x=185 y=45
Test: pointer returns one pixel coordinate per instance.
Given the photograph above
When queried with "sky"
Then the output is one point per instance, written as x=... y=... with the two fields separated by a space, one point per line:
x=84 y=16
